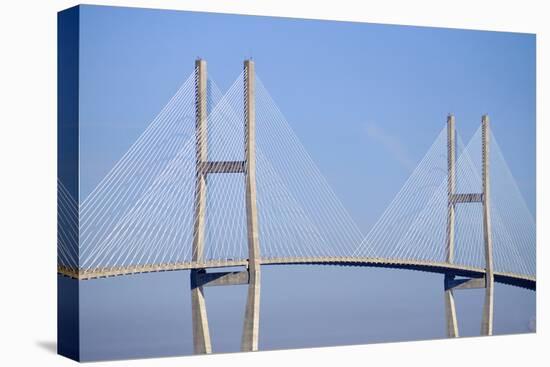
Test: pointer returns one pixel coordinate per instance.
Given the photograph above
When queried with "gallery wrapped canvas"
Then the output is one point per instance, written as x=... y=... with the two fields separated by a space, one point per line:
x=242 y=183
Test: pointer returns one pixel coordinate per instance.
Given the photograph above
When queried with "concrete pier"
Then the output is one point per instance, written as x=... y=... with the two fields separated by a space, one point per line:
x=252 y=312
x=450 y=309
x=201 y=333
x=487 y=320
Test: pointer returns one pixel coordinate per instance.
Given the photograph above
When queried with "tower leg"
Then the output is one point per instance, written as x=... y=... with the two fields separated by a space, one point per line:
x=450 y=313
x=201 y=333
x=487 y=319
x=488 y=306
x=252 y=314
x=450 y=309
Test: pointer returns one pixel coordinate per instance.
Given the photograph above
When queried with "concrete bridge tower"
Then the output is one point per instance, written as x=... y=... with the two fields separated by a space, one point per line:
x=200 y=278
x=454 y=198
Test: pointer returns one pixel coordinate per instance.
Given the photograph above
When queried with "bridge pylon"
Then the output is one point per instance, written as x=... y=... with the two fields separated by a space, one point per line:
x=200 y=278
x=454 y=198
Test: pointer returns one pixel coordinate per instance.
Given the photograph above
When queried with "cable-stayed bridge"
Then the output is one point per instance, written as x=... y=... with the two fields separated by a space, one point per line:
x=220 y=180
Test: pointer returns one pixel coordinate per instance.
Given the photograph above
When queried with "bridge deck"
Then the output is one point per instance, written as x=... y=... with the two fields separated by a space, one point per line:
x=519 y=280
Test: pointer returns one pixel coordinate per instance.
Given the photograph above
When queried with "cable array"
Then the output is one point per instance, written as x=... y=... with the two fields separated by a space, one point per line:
x=67 y=228
x=414 y=226
x=142 y=212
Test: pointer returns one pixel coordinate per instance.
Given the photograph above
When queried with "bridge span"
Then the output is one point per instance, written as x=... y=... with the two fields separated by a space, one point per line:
x=517 y=280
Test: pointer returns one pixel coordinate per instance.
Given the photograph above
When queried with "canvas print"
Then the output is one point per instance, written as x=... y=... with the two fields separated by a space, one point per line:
x=244 y=183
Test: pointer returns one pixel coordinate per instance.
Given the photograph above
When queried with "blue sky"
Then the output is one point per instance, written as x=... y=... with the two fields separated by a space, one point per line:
x=373 y=96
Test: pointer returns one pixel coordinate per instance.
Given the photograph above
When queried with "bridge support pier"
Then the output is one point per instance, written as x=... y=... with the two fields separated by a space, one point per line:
x=487 y=320
x=251 y=326
x=450 y=309
x=201 y=333
x=252 y=313
x=487 y=281
x=450 y=314
x=199 y=277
